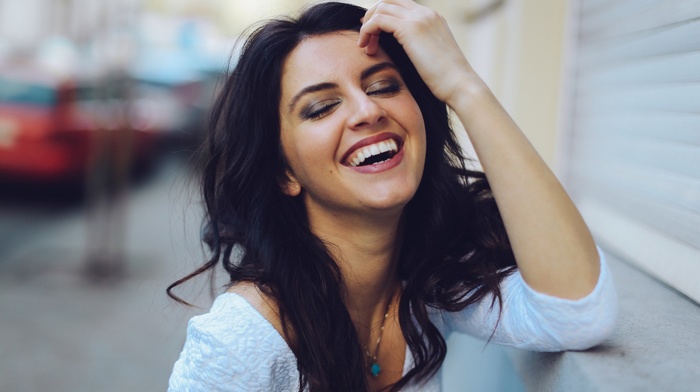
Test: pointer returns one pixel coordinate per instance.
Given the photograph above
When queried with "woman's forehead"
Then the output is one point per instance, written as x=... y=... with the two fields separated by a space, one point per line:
x=322 y=58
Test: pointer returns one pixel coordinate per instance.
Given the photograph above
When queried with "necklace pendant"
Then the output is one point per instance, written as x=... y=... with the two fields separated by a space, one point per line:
x=374 y=369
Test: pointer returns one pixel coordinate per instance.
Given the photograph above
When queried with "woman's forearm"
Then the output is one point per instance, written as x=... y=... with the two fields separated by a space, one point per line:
x=553 y=247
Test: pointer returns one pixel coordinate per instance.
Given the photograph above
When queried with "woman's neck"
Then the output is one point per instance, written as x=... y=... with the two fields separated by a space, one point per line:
x=365 y=250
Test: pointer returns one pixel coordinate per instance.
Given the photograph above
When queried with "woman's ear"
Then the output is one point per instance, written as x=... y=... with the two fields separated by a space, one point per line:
x=290 y=185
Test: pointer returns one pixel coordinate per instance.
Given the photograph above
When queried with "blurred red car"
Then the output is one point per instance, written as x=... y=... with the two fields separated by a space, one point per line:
x=53 y=129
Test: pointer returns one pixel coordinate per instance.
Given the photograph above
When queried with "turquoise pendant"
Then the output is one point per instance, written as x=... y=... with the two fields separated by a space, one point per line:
x=375 y=369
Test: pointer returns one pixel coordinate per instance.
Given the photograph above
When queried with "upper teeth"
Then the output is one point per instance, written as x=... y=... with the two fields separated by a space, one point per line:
x=373 y=149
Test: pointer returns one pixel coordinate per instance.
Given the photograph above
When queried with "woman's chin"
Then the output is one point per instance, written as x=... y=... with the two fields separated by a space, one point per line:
x=391 y=203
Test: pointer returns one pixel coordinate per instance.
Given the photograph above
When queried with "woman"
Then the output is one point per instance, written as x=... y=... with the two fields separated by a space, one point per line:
x=355 y=238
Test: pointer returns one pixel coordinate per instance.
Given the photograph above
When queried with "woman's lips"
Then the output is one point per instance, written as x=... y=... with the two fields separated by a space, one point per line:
x=370 y=147
x=381 y=166
x=387 y=147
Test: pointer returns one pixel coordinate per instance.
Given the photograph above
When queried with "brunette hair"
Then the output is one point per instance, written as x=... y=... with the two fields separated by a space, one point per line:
x=454 y=251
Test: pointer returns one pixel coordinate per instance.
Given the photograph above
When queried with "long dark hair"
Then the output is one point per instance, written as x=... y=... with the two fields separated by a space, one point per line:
x=454 y=251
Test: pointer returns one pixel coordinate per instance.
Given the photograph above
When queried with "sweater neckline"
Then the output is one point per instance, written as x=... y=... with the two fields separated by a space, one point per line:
x=407 y=362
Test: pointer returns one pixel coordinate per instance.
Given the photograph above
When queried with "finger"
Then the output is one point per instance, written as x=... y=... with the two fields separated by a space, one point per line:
x=373 y=27
x=370 y=11
x=371 y=20
x=365 y=38
x=403 y=3
x=383 y=23
x=387 y=8
x=373 y=45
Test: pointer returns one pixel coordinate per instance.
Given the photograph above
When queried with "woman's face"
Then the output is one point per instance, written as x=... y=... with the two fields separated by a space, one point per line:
x=351 y=131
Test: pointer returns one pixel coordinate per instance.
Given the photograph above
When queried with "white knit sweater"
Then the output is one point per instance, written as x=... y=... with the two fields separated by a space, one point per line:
x=234 y=348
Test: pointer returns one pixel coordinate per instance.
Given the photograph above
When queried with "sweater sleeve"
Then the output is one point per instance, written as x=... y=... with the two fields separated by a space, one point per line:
x=535 y=321
x=233 y=348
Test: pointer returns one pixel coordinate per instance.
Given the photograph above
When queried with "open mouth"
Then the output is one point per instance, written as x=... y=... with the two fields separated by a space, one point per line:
x=373 y=154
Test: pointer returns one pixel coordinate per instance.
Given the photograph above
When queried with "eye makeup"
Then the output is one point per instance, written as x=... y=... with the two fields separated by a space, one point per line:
x=318 y=109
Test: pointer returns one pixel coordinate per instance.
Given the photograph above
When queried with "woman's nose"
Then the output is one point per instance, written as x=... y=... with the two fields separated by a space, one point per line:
x=366 y=113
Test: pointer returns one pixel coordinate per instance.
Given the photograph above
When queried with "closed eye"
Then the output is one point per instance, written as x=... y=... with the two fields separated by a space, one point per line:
x=318 y=109
x=385 y=87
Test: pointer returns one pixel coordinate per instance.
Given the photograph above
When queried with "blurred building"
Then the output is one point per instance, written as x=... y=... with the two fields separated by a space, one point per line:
x=28 y=27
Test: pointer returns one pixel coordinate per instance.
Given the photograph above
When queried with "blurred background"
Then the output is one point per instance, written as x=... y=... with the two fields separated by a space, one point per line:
x=101 y=107
x=102 y=104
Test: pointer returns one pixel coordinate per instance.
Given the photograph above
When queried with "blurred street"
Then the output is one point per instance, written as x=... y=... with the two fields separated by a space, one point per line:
x=62 y=330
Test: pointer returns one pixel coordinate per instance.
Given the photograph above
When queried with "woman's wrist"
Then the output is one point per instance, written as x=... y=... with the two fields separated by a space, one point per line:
x=470 y=97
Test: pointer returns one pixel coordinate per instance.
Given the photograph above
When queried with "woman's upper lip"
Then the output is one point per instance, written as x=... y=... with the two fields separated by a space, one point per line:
x=369 y=141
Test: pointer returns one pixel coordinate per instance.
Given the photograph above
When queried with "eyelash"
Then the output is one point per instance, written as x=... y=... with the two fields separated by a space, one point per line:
x=318 y=110
x=390 y=87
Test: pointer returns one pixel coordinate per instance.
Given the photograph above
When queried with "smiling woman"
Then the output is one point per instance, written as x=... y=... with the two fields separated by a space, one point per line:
x=361 y=238
x=336 y=111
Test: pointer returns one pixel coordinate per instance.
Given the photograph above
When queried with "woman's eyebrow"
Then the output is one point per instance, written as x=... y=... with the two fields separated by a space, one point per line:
x=310 y=89
x=377 y=68
x=327 y=86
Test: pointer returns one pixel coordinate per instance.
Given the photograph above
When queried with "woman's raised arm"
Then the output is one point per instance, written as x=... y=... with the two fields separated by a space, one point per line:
x=553 y=247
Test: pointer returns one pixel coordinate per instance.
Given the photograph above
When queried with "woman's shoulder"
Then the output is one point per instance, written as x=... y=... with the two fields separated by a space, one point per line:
x=260 y=302
x=231 y=345
x=230 y=319
x=242 y=311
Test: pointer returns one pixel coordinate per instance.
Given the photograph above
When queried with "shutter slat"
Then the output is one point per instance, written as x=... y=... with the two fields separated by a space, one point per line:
x=677 y=127
x=677 y=187
x=674 y=222
x=674 y=68
x=634 y=16
x=675 y=39
x=592 y=9
x=674 y=157
x=678 y=97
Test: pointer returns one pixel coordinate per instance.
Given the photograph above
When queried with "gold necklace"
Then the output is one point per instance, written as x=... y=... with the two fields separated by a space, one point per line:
x=373 y=367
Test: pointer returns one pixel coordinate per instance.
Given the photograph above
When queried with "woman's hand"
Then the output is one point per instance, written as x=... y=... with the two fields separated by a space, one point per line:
x=553 y=248
x=425 y=37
